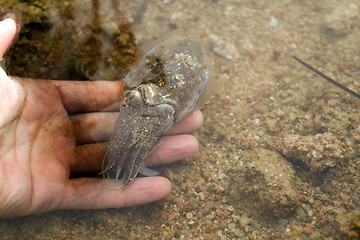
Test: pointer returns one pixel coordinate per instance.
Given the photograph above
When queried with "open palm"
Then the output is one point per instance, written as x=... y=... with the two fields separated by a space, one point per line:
x=49 y=129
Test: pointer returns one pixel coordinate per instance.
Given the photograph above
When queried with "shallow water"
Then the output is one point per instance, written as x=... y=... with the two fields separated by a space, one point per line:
x=279 y=148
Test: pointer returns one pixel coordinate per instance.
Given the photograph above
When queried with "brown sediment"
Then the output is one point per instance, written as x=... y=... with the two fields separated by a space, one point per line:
x=70 y=44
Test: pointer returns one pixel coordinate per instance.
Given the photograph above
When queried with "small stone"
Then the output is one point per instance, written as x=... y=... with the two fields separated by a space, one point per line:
x=193 y=204
x=201 y=182
x=271 y=123
x=201 y=196
x=110 y=28
x=206 y=173
x=315 y=235
x=232 y=226
x=310 y=213
x=207 y=236
x=300 y=213
x=209 y=205
x=244 y=220
x=169 y=174
x=325 y=188
x=219 y=213
x=308 y=230
x=189 y=215
x=356 y=200
x=316 y=204
x=221 y=225
x=273 y=22
x=292 y=117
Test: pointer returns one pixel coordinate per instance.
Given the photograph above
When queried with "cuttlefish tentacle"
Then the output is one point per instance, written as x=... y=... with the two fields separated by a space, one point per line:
x=145 y=134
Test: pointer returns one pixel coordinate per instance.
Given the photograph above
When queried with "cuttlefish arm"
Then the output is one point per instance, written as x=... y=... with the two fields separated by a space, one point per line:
x=137 y=132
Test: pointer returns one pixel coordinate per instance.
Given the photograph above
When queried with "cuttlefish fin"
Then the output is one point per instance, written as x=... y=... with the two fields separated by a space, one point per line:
x=147 y=171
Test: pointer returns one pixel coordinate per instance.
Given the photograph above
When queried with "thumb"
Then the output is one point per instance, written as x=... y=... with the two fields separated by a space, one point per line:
x=8 y=34
x=11 y=92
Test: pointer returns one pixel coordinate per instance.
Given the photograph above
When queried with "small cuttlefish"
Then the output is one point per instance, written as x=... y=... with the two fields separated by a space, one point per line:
x=163 y=88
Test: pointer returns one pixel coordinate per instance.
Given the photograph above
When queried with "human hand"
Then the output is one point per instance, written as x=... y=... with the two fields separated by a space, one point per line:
x=49 y=129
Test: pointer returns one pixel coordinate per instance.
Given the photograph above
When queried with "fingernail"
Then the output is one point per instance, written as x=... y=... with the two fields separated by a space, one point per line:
x=14 y=17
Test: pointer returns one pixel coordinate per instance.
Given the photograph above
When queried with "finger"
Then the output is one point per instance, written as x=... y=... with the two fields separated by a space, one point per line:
x=89 y=158
x=99 y=193
x=89 y=96
x=8 y=34
x=188 y=124
x=94 y=127
x=98 y=127
x=173 y=148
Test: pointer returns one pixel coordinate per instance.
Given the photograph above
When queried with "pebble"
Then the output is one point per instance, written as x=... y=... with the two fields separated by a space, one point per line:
x=273 y=22
x=201 y=196
x=207 y=236
x=231 y=208
x=209 y=205
x=244 y=220
x=232 y=226
x=310 y=213
x=315 y=235
x=308 y=230
x=169 y=174
x=110 y=28
x=206 y=173
x=316 y=204
x=300 y=213
x=193 y=204
x=356 y=200
x=220 y=213
x=189 y=215
x=271 y=123
x=325 y=188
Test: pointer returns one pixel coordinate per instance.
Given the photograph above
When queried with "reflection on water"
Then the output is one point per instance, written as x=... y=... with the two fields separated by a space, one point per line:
x=279 y=156
x=71 y=40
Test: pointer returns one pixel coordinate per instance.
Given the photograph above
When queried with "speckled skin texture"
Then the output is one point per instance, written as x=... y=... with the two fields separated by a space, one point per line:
x=164 y=87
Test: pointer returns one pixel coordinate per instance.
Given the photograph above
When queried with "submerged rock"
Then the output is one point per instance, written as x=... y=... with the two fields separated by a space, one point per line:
x=341 y=20
x=318 y=152
x=265 y=183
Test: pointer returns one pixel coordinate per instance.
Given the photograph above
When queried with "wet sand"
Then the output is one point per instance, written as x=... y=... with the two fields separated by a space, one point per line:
x=279 y=148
